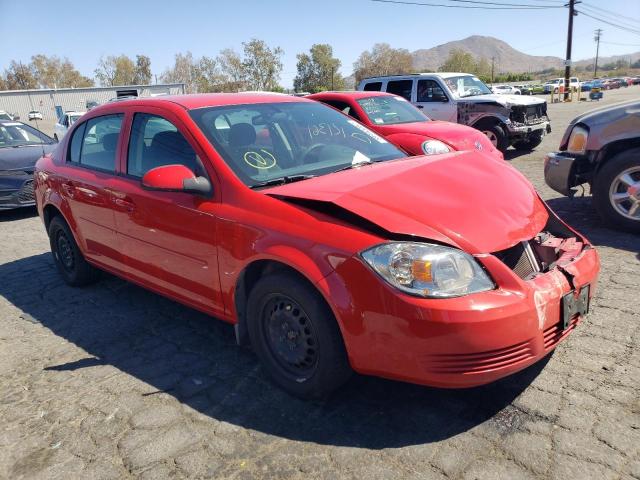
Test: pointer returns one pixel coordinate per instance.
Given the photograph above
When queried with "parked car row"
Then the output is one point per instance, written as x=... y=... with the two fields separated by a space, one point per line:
x=327 y=247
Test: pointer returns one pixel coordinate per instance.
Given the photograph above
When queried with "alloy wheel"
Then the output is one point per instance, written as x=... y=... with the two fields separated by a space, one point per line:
x=624 y=193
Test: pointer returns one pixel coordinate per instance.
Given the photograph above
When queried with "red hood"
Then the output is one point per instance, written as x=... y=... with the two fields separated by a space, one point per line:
x=470 y=201
x=460 y=137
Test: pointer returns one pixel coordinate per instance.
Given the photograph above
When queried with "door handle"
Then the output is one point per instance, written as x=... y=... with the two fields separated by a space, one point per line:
x=420 y=106
x=69 y=188
x=125 y=204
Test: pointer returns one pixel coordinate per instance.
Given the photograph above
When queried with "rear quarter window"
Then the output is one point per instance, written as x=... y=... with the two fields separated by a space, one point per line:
x=372 y=87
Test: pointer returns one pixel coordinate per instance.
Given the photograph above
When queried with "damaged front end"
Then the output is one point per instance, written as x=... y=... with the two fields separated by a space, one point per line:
x=560 y=267
x=528 y=120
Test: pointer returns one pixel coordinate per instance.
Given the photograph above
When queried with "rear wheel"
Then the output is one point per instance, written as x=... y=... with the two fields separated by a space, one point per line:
x=616 y=190
x=296 y=336
x=71 y=264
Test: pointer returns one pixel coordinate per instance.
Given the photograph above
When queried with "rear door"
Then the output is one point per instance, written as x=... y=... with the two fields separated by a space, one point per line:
x=167 y=238
x=89 y=173
x=434 y=101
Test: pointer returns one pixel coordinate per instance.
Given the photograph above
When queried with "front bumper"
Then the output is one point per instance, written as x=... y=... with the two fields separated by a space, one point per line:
x=457 y=342
x=559 y=172
x=16 y=191
x=519 y=130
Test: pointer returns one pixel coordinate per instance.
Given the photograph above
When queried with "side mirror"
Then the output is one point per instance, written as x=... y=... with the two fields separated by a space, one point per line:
x=175 y=178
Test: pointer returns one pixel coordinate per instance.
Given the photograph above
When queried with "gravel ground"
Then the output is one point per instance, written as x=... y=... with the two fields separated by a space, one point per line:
x=112 y=381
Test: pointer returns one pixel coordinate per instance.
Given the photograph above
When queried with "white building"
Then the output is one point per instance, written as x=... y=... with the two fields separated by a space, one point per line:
x=21 y=102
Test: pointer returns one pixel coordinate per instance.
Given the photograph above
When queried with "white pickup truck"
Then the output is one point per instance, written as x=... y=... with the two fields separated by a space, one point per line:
x=507 y=120
x=554 y=85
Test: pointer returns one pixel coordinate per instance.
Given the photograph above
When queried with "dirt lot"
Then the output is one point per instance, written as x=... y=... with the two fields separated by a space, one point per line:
x=112 y=381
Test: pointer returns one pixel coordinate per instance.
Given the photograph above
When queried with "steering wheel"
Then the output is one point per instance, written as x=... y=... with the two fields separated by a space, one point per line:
x=474 y=91
x=313 y=149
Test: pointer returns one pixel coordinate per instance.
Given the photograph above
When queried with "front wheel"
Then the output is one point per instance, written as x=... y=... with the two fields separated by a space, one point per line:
x=496 y=135
x=296 y=336
x=616 y=191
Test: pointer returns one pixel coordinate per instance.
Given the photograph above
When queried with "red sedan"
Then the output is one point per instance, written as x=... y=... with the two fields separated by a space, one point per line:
x=323 y=244
x=403 y=124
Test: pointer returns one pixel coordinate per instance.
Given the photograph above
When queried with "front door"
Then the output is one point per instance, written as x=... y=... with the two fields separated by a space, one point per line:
x=167 y=238
x=432 y=99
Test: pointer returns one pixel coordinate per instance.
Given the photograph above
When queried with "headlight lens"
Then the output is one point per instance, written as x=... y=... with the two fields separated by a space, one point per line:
x=434 y=147
x=428 y=270
x=578 y=140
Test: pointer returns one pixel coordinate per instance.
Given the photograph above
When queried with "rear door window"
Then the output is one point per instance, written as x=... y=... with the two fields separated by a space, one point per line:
x=400 y=87
x=430 y=91
x=94 y=143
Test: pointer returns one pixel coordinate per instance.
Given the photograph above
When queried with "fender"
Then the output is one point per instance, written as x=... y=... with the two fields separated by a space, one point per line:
x=411 y=142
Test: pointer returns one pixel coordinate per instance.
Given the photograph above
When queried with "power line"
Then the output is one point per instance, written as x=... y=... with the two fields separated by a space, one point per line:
x=611 y=18
x=610 y=13
x=623 y=44
x=519 y=7
x=630 y=30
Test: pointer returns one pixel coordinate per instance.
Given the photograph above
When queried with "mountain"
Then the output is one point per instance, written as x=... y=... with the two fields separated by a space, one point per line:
x=507 y=58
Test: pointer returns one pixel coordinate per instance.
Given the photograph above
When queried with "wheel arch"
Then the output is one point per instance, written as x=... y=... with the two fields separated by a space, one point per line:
x=255 y=270
x=610 y=150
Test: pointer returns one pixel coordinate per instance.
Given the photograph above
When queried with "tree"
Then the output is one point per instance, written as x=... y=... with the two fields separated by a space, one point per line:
x=114 y=71
x=459 y=61
x=50 y=72
x=261 y=65
x=382 y=60
x=183 y=71
x=232 y=70
x=199 y=76
x=19 y=77
x=143 y=70
x=318 y=70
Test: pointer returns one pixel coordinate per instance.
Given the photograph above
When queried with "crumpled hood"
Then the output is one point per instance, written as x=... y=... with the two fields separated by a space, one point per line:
x=505 y=100
x=462 y=199
x=22 y=158
x=460 y=137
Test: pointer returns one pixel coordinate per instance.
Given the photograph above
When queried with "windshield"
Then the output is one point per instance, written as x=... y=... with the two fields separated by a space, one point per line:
x=15 y=134
x=73 y=118
x=466 y=86
x=266 y=141
x=387 y=110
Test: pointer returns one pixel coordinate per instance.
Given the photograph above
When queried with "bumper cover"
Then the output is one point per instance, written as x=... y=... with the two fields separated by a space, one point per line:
x=519 y=130
x=458 y=342
x=19 y=193
x=559 y=172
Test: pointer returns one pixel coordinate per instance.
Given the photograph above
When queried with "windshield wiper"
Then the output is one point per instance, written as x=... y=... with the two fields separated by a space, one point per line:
x=353 y=165
x=281 y=180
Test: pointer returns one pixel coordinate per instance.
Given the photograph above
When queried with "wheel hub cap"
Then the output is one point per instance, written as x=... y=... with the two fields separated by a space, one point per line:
x=624 y=193
x=64 y=252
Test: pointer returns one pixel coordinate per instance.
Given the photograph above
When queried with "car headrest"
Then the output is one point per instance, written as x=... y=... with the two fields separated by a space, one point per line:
x=110 y=141
x=242 y=135
x=172 y=142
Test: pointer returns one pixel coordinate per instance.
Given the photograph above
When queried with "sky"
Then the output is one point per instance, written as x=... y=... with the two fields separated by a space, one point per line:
x=83 y=31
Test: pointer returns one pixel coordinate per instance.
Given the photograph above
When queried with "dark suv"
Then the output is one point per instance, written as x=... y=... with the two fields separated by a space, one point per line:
x=602 y=148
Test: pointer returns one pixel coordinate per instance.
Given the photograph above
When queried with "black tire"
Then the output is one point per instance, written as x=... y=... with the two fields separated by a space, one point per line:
x=69 y=260
x=495 y=133
x=296 y=336
x=606 y=180
x=529 y=144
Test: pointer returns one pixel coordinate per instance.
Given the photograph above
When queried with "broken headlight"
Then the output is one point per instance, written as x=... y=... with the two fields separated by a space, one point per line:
x=428 y=270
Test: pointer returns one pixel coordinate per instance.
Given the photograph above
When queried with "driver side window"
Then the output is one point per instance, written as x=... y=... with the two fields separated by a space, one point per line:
x=430 y=91
x=156 y=142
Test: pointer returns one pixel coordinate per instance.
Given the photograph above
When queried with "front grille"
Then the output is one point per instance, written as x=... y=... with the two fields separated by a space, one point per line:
x=469 y=363
x=26 y=192
x=517 y=259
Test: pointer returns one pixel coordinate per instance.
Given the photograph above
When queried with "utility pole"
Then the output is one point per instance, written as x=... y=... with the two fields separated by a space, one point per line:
x=493 y=61
x=598 y=33
x=332 y=74
x=567 y=63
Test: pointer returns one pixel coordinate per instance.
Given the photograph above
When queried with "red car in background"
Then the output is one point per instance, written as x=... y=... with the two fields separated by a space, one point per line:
x=321 y=242
x=403 y=124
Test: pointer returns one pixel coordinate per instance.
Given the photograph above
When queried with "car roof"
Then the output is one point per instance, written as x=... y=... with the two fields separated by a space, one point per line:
x=424 y=74
x=74 y=112
x=193 y=101
x=9 y=123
